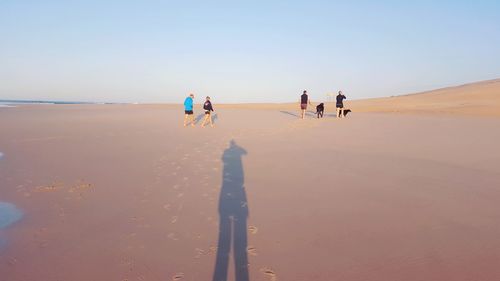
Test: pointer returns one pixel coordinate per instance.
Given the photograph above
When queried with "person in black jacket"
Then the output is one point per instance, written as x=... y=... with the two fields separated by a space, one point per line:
x=304 y=101
x=207 y=106
x=340 y=104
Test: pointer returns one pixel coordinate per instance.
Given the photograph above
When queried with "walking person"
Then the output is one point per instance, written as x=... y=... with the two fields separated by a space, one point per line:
x=340 y=104
x=207 y=106
x=304 y=101
x=188 y=110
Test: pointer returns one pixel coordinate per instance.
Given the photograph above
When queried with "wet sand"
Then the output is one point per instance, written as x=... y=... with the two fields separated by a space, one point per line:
x=124 y=192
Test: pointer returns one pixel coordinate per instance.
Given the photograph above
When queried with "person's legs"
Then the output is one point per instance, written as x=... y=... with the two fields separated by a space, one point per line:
x=203 y=123
x=210 y=119
x=341 y=112
x=192 y=119
x=185 y=119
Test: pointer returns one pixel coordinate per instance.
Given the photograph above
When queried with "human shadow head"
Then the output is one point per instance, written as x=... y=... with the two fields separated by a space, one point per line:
x=232 y=201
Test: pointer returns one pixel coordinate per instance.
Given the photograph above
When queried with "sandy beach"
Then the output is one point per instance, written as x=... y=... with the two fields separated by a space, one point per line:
x=125 y=192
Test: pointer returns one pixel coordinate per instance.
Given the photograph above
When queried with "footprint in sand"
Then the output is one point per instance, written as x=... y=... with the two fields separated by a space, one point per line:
x=42 y=244
x=126 y=261
x=12 y=261
x=252 y=251
x=181 y=206
x=178 y=276
x=269 y=272
x=174 y=219
x=166 y=207
x=212 y=250
x=253 y=229
x=199 y=253
x=172 y=236
x=180 y=195
x=56 y=185
x=81 y=187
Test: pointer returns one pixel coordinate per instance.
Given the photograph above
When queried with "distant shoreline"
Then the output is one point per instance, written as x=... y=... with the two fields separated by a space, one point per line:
x=51 y=102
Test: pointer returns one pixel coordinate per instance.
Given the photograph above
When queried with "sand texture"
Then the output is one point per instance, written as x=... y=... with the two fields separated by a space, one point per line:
x=124 y=192
x=475 y=99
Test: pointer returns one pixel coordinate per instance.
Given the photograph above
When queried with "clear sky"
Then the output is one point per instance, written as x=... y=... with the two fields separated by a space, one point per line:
x=242 y=51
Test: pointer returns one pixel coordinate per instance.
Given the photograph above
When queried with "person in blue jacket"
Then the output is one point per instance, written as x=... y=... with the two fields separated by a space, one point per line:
x=188 y=110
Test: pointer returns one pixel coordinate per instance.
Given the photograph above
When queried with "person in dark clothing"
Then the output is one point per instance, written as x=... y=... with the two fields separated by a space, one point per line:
x=320 y=108
x=304 y=101
x=207 y=106
x=340 y=104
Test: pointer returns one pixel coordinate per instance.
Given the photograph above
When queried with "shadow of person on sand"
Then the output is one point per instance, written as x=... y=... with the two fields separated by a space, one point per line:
x=198 y=118
x=202 y=115
x=289 y=113
x=308 y=113
x=233 y=214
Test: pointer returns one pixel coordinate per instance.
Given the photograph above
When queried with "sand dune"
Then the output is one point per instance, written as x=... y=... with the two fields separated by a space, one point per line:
x=480 y=99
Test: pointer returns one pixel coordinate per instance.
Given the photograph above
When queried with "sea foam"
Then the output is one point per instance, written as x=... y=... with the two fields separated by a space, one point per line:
x=9 y=214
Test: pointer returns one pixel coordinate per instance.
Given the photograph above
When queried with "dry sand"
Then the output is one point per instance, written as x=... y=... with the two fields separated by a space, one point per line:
x=124 y=192
x=475 y=99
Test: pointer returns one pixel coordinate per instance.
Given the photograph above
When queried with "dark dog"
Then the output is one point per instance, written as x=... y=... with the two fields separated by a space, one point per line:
x=320 y=109
x=346 y=111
